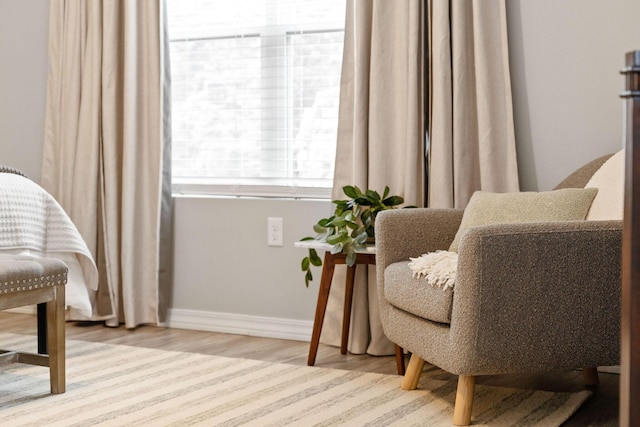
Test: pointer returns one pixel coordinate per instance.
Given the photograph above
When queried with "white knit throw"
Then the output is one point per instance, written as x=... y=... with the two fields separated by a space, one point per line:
x=438 y=267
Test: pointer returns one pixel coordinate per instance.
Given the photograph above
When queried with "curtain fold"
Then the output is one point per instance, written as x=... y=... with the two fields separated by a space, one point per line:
x=471 y=131
x=106 y=146
x=399 y=56
x=380 y=138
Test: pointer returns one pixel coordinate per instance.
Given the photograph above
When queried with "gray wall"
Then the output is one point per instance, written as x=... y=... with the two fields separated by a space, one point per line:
x=23 y=83
x=223 y=263
x=565 y=58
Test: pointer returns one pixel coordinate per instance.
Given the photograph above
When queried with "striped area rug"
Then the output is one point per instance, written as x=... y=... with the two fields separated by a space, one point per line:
x=114 y=385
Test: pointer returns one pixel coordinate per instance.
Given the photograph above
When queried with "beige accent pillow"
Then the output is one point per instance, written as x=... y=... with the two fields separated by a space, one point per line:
x=609 y=180
x=499 y=208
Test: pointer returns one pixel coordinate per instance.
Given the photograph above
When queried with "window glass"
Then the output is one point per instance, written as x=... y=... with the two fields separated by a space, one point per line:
x=255 y=89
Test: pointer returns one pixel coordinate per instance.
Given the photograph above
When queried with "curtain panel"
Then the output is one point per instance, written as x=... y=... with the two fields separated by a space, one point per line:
x=471 y=131
x=407 y=63
x=106 y=147
x=381 y=138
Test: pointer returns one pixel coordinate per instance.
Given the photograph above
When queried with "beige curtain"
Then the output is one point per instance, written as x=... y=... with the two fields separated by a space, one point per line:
x=471 y=133
x=380 y=137
x=381 y=134
x=106 y=147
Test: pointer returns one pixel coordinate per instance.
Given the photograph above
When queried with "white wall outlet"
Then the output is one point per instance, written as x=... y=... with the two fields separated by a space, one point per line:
x=274 y=232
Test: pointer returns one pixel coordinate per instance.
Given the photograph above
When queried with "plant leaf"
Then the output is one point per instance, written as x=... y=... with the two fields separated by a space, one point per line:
x=357 y=231
x=324 y=222
x=351 y=191
x=393 y=201
x=373 y=196
x=314 y=258
x=386 y=192
x=361 y=238
x=322 y=237
x=307 y=278
x=341 y=206
x=338 y=238
x=351 y=259
x=304 y=239
x=305 y=263
x=318 y=228
x=340 y=222
x=365 y=217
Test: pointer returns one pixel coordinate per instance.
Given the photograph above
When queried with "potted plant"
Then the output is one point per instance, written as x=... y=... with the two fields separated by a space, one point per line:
x=350 y=227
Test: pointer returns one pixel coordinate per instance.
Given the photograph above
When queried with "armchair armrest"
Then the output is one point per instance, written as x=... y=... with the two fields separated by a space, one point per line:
x=404 y=233
x=537 y=295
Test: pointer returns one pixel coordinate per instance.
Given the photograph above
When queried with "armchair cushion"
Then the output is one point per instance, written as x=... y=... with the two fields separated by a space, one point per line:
x=504 y=208
x=609 y=180
x=415 y=295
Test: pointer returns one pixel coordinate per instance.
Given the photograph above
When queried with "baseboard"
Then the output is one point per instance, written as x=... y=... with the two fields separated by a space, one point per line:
x=240 y=324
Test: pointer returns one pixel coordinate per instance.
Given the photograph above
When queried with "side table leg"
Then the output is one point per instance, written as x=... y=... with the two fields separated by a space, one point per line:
x=348 y=302
x=328 y=267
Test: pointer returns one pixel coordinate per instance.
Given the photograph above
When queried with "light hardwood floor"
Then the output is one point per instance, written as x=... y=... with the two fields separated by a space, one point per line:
x=600 y=410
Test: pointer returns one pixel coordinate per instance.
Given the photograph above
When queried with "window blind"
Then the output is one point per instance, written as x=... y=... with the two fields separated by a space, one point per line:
x=255 y=90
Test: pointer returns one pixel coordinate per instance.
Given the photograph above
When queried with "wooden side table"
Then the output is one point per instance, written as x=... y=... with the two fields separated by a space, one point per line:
x=367 y=257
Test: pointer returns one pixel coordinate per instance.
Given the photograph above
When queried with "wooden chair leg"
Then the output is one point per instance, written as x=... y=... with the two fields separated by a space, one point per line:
x=56 y=341
x=414 y=370
x=400 y=359
x=590 y=376
x=42 y=327
x=464 y=400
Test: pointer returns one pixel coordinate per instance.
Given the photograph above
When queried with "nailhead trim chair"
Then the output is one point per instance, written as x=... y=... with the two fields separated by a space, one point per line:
x=26 y=281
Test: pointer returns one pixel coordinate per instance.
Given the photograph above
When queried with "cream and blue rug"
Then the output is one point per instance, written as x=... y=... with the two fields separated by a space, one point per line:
x=114 y=385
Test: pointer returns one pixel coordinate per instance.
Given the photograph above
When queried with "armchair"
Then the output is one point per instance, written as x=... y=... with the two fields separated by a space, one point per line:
x=528 y=296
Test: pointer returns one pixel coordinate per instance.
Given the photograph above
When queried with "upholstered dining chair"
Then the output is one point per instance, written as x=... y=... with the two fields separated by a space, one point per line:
x=27 y=281
x=530 y=294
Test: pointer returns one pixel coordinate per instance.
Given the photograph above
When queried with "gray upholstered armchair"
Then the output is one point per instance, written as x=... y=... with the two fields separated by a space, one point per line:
x=528 y=296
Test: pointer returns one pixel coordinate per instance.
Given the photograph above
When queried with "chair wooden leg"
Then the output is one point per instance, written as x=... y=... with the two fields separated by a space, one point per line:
x=590 y=376
x=56 y=341
x=414 y=370
x=464 y=400
x=400 y=359
x=42 y=327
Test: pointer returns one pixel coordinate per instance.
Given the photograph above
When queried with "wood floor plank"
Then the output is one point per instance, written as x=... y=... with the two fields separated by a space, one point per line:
x=600 y=410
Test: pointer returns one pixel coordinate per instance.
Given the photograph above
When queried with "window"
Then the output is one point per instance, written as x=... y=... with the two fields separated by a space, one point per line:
x=255 y=88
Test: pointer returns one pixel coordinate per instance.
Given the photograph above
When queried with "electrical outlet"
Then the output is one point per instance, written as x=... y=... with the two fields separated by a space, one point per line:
x=274 y=232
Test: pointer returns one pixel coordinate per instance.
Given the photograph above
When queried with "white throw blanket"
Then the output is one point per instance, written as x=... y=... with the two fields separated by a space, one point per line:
x=438 y=267
x=32 y=223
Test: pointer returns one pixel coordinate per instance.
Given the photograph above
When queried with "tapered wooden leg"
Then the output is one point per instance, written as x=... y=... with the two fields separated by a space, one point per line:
x=328 y=267
x=414 y=370
x=348 y=303
x=590 y=376
x=56 y=341
x=464 y=400
x=400 y=359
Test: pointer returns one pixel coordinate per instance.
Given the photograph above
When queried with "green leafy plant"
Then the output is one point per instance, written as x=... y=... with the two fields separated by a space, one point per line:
x=350 y=227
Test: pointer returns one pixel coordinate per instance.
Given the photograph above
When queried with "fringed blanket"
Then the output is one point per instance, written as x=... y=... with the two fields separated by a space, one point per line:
x=439 y=268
